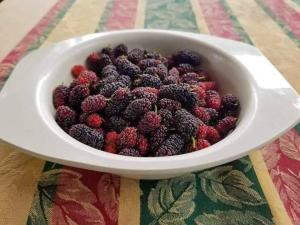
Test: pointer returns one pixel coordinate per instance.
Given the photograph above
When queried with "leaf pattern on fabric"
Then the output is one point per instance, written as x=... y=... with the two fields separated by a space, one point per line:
x=171 y=201
x=70 y=201
x=232 y=217
x=229 y=186
x=290 y=145
x=284 y=168
x=108 y=194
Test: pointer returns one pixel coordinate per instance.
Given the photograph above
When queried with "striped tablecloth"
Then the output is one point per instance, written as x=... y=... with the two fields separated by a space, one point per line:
x=260 y=189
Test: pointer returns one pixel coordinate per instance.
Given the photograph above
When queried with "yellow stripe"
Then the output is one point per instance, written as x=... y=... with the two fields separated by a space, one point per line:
x=18 y=177
x=202 y=26
x=269 y=38
x=293 y=5
x=81 y=19
x=277 y=208
x=140 y=18
x=129 y=202
x=19 y=173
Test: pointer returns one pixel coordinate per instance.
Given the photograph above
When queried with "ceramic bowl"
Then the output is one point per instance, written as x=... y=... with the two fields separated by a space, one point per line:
x=269 y=105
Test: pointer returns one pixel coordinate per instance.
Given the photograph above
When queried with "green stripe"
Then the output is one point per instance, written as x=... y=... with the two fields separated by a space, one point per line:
x=298 y=128
x=170 y=14
x=279 y=22
x=106 y=14
x=236 y=24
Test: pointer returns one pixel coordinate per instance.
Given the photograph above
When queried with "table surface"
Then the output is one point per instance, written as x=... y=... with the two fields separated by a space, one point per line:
x=262 y=188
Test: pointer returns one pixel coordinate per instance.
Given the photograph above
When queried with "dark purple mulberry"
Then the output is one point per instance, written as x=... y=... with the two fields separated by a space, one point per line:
x=171 y=80
x=147 y=80
x=149 y=122
x=109 y=89
x=230 y=102
x=119 y=101
x=151 y=71
x=130 y=152
x=158 y=136
x=174 y=72
x=96 y=62
x=119 y=50
x=136 y=108
x=124 y=79
x=145 y=63
x=138 y=93
x=117 y=123
x=109 y=70
x=136 y=55
x=166 y=117
x=186 y=124
x=87 y=135
x=192 y=78
x=185 y=68
x=169 y=104
x=77 y=95
x=188 y=56
x=152 y=55
x=93 y=103
x=65 y=116
x=106 y=50
x=180 y=93
x=60 y=96
x=126 y=67
x=171 y=146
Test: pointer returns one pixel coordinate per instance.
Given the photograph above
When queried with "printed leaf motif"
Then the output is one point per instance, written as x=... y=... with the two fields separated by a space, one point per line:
x=63 y=199
x=248 y=165
x=290 y=144
x=229 y=186
x=171 y=201
x=232 y=217
x=108 y=194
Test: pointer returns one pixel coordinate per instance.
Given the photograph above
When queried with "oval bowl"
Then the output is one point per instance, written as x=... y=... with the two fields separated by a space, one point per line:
x=241 y=69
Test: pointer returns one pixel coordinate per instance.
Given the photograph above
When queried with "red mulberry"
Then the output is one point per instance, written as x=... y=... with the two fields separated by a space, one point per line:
x=127 y=138
x=93 y=103
x=149 y=122
x=65 y=116
x=60 y=96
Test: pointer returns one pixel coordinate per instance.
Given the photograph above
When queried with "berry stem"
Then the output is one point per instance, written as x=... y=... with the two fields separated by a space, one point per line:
x=155 y=108
x=193 y=143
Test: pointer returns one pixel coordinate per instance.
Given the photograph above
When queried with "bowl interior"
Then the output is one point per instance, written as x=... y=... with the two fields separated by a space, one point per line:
x=226 y=71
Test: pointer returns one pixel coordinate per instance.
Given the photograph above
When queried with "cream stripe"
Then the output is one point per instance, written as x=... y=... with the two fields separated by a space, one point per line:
x=81 y=19
x=16 y=20
x=140 y=18
x=19 y=173
x=269 y=38
x=277 y=208
x=293 y=5
x=202 y=26
x=129 y=202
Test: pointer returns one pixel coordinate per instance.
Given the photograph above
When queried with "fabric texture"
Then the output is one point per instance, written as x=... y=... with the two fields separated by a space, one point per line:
x=260 y=189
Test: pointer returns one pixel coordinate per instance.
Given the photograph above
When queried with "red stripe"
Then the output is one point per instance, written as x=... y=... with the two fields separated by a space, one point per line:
x=15 y=55
x=123 y=15
x=217 y=19
x=286 y=14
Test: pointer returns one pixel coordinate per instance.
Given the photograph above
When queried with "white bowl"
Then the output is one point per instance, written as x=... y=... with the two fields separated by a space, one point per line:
x=269 y=105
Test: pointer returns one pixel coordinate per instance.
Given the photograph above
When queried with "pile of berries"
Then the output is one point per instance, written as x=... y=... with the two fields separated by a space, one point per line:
x=140 y=103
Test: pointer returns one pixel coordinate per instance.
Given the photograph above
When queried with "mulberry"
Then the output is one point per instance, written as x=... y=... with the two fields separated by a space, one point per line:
x=180 y=93
x=127 y=138
x=65 y=116
x=60 y=96
x=171 y=146
x=136 y=108
x=87 y=135
x=93 y=103
x=149 y=123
